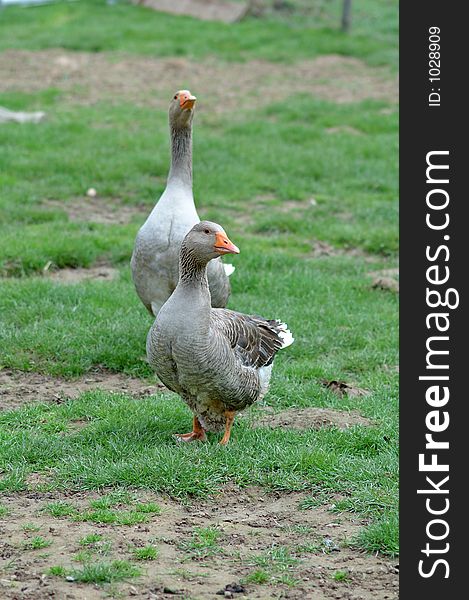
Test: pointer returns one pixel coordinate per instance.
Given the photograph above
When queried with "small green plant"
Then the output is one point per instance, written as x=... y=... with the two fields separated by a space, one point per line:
x=90 y=539
x=277 y=558
x=3 y=511
x=146 y=553
x=308 y=548
x=112 y=499
x=30 y=527
x=148 y=507
x=287 y=579
x=84 y=556
x=188 y=575
x=259 y=576
x=340 y=576
x=57 y=571
x=114 y=517
x=60 y=509
x=203 y=542
x=99 y=573
x=36 y=543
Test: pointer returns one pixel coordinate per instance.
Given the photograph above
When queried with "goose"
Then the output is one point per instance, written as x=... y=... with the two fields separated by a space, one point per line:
x=154 y=262
x=219 y=361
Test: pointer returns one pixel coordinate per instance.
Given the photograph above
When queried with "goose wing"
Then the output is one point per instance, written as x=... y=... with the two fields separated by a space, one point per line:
x=255 y=340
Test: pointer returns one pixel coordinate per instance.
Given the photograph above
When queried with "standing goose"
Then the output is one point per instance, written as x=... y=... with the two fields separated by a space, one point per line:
x=219 y=361
x=154 y=262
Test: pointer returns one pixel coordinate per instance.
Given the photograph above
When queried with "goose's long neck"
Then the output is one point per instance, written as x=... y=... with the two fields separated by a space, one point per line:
x=181 y=155
x=192 y=272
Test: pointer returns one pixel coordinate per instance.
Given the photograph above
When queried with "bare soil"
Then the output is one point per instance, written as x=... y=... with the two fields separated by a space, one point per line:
x=109 y=211
x=309 y=418
x=320 y=249
x=70 y=276
x=250 y=521
x=206 y=10
x=87 y=78
x=394 y=272
x=344 y=129
x=18 y=388
x=386 y=283
x=341 y=388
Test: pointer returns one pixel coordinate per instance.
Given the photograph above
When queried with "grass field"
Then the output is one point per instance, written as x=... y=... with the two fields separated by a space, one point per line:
x=303 y=176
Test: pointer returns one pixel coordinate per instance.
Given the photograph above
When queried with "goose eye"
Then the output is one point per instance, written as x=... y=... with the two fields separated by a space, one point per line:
x=207 y=231
x=176 y=97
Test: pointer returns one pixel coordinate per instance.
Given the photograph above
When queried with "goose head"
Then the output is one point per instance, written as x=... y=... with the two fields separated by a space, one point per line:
x=181 y=109
x=208 y=240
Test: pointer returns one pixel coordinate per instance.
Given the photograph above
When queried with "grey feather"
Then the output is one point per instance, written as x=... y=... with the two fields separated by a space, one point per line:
x=155 y=257
x=217 y=360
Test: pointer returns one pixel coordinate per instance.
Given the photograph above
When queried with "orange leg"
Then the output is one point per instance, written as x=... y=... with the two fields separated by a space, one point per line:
x=197 y=433
x=230 y=415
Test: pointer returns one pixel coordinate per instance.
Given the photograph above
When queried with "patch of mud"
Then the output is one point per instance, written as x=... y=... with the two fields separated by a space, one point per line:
x=310 y=418
x=321 y=249
x=386 y=283
x=87 y=78
x=344 y=129
x=18 y=388
x=206 y=10
x=71 y=276
x=394 y=272
x=251 y=524
x=385 y=279
x=341 y=388
x=99 y=210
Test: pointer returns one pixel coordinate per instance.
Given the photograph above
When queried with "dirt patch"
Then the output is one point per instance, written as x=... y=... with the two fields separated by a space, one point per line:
x=206 y=10
x=86 y=78
x=310 y=418
x=386 y=283
x=394 y=272
x=344 y=129
x=385 y=279
x=341 y=388
x=253 y=527
x=109 y=211
x=70 y=276
x=321 y=249
x=18 y=388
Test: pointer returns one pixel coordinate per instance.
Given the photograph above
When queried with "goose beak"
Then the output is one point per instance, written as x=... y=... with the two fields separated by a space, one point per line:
x=187 y=101
x=223 y=245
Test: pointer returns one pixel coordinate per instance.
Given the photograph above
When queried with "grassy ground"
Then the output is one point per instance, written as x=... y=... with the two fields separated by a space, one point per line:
x=279 y=178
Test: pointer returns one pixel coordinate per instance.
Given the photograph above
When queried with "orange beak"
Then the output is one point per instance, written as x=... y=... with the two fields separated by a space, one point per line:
x=186 y=100
x=223 y=245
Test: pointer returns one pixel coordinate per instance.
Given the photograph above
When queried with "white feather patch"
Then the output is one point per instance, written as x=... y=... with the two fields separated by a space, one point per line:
x=285 y=335
x=229 y=269
x=264 y=379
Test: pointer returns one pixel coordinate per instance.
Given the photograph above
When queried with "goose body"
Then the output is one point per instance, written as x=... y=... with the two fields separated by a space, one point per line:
x=155 y=258
x=219 y=361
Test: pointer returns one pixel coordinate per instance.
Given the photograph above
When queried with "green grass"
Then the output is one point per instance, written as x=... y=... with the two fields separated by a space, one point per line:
x=91 y=539
x=127 y=28
x=37 y=543
x=248 y=169
x=60 y=508
x=30 y=527
x=277 y=558
x=3 y=511
x=340 y=576
x=57 y=571
x=103 y=511
x=146 y=553
x=204 y=542
x=103 y=572
x=258 y=576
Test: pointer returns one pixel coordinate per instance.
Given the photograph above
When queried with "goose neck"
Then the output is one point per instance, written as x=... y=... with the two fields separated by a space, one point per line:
x=181 y=155
x=192 y=270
